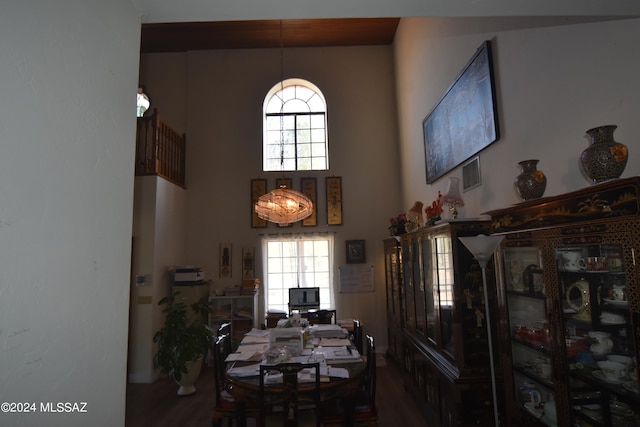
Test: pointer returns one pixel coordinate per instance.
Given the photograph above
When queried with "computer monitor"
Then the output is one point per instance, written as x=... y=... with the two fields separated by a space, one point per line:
x=303 y=299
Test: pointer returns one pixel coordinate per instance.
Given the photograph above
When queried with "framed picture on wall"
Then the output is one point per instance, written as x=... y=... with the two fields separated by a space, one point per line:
x=225 y=260
x=464 y=120
x=248 y=263
x=258 y=188
x=287 y=182
x=355 y=252
x=334 y=200
x=309 y=187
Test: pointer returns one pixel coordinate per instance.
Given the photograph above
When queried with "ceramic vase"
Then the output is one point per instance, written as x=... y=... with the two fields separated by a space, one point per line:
x=531 y=183
x=605 y=158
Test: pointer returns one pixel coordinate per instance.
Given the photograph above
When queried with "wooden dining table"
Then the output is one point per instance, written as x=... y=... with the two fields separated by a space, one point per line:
x=245 y=388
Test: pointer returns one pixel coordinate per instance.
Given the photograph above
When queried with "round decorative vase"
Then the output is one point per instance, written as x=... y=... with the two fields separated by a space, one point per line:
x=605 y=158
x=531 y=183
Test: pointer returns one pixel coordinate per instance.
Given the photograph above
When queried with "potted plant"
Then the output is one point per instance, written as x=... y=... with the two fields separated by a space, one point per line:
x=182 y=342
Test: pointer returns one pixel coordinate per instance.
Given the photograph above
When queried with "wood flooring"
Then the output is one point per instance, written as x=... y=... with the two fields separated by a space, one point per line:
x=158 y=405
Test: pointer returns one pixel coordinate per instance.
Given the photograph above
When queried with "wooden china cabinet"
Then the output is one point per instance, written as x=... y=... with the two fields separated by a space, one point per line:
x=437 y=330
x=569 y=306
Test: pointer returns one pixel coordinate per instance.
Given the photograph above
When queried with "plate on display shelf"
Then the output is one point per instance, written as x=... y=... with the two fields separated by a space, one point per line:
x=616 y=302
x=631 y=386
x=611 y=322
x=531 y=407
x=599 y=375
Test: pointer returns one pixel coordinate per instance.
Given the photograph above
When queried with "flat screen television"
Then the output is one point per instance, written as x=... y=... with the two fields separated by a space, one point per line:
x=304 y=298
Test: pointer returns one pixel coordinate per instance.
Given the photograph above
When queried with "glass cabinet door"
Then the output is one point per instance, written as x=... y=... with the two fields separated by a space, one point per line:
x=598 y=335
x=443 y=276
x=429 y=291
x=530 y=329
x=418 y=283
x=409 y=293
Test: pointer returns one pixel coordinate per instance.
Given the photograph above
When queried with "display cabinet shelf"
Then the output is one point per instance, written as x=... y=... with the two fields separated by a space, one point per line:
x=241 y=311
x=569 y=301
x=437 y=330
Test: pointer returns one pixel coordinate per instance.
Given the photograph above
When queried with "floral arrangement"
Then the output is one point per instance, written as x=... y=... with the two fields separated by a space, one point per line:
x=433 y=212
x=398 y=224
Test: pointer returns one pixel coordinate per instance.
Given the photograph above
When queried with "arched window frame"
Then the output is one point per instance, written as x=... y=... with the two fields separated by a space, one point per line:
x=295 y=127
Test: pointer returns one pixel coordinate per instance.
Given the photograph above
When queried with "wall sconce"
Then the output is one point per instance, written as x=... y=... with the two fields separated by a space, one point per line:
x=452 y=197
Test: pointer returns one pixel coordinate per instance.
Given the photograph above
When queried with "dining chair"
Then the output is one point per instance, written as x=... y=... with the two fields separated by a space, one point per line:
x=225 y=329
x=225 y=404
x=357 y=335
x=361 y=411
x=288 y=393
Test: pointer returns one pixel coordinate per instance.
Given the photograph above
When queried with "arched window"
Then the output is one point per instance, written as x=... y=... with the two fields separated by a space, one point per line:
x=295 y=128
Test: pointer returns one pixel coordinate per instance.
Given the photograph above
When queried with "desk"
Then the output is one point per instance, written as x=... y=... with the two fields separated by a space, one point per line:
x=245 y=389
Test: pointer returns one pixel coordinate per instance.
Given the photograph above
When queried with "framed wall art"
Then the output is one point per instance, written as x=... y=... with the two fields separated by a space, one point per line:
x=309 y=187
x=464 y=121
x=258 y=188
x=287 y=182
x=355 y=252
x=248 y=263
x=334 y=200
x=225 y=260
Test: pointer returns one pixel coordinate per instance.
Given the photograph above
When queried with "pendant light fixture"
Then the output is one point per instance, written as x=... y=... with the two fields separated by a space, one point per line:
x=283 y=205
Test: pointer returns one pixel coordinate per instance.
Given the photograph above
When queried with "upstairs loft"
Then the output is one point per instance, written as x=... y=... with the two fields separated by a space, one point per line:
x=159 y=150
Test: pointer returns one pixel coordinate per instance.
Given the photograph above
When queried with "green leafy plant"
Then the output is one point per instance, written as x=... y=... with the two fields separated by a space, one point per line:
x=181 y=340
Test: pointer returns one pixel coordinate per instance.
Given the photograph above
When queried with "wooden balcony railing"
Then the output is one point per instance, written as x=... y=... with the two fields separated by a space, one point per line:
x=159 y=150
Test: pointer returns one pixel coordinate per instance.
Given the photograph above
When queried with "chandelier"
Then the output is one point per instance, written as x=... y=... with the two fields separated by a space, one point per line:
x=283 y=205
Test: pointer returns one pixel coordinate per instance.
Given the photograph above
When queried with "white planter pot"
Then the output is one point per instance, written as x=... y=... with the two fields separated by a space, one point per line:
x=187 y=380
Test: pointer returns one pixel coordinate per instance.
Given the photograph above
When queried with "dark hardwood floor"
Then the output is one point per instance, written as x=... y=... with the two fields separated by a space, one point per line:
x=158 y=405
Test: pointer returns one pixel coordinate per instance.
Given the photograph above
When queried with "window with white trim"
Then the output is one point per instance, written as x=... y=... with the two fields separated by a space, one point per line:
x=303 y=262
x=295 y=127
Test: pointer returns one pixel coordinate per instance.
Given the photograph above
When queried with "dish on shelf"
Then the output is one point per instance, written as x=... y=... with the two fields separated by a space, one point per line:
x=616 y=302
x=607 y=322
x=631 y=386
x=531 y=407
x=599 y=375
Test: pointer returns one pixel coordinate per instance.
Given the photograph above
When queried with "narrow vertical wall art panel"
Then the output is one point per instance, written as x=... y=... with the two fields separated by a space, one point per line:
x=258 y=188
x=309 y=187
x=225 y=260
x=334 y=200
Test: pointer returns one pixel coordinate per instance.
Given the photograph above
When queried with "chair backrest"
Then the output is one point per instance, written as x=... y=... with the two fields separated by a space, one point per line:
x=221 y=349
x=289 y=393
x=224 y=328
x=357 y=335
x=370 y=371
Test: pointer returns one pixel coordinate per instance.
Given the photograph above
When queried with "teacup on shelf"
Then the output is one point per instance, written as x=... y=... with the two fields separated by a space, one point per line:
x=613 y=371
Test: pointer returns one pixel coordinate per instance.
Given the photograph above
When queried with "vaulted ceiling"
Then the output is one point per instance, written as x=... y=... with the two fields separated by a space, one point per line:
x=180 y=37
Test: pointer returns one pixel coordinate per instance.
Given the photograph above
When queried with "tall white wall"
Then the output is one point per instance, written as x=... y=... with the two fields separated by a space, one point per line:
x=66 y=190
x=553 y=83
x=159 y=242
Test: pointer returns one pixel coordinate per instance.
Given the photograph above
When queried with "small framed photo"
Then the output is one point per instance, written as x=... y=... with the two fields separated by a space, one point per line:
x=355 y=252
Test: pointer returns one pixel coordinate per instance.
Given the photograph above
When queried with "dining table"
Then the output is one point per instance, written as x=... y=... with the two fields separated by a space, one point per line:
x=341 y=365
